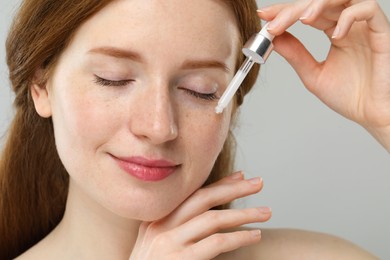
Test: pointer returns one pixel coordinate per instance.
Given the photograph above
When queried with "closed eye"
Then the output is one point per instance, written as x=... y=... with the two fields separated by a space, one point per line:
x=205 y=96
x=111 y=83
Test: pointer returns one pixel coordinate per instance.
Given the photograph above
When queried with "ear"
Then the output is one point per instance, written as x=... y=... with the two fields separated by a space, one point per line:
x=40 y=94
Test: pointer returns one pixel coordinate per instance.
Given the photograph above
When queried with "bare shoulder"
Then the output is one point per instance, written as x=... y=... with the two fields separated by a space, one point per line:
x=298 y=244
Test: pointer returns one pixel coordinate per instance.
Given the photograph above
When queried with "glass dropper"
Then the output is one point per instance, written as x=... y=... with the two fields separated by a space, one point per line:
x=256 y=49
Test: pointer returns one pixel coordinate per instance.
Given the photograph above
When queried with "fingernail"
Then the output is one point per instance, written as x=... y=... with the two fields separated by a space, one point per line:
x=272 y=25
x=256 y=232
x=265 y=210
x=263 y=9
x=336 y=32
x=237 y=176
x=306 y=14
x=255 y=181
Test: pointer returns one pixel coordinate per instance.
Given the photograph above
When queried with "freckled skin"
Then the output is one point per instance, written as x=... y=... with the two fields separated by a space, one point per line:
x=92 y=121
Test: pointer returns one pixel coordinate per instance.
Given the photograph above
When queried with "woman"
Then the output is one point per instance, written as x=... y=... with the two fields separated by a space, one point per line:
x=116 y=152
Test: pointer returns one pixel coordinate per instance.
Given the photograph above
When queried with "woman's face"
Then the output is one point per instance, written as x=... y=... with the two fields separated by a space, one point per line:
x=132 y=100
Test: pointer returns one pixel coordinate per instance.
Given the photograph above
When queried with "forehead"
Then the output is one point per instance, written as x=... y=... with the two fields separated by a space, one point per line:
x=199 y=28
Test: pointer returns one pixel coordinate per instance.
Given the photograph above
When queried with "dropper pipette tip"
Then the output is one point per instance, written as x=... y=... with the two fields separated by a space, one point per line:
x=218 y=109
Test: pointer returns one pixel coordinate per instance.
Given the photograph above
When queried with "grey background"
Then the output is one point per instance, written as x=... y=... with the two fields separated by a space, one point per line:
x=321 y=171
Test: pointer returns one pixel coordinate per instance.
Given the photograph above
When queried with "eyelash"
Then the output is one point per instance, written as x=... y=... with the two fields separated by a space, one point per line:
x=209 y=97
x=111 y=83
x=120 y=83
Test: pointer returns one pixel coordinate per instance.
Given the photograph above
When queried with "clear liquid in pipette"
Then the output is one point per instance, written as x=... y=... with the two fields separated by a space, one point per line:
x=234 y=85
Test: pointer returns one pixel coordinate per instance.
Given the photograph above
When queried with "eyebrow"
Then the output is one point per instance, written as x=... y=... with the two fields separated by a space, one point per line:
x=131 y=55
x=201 y=64
x=117 y=53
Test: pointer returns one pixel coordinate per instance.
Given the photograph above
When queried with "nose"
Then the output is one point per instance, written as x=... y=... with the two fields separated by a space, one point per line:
x=153 y=115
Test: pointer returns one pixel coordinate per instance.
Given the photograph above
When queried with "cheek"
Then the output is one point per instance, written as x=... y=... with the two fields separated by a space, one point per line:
x=80 y=116
x=82 y=123
x=205 y=135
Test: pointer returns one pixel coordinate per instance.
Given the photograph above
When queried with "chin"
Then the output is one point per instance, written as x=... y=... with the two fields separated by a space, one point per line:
x=149 y=215
x=148 y=212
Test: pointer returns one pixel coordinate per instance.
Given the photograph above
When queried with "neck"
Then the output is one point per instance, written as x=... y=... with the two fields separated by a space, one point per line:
x=89 y=231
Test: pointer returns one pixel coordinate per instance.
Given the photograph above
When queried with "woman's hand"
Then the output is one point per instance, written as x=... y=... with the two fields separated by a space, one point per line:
x=354 y=80
x=193 y=231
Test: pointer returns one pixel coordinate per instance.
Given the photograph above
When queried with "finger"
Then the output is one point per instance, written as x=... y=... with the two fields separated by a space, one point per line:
x=213 y=195
x=237 y=176
x=364 y=11
x=379 y=22
x=327 y=20
x=333 y=13
x=214 y=221
x=309 y=11
x=286 y=17
x=299 y=58
x=269 y=13
x=321 y=23
x=329 y=9
x=219 y=243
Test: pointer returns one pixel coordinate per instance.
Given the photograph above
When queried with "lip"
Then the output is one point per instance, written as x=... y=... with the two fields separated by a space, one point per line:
x=146 y=169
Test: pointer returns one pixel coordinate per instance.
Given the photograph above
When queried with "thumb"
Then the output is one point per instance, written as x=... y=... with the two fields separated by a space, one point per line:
x=299 y=58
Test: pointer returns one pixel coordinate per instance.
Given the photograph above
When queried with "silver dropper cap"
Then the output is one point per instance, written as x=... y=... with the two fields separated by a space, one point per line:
x=259 y=46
